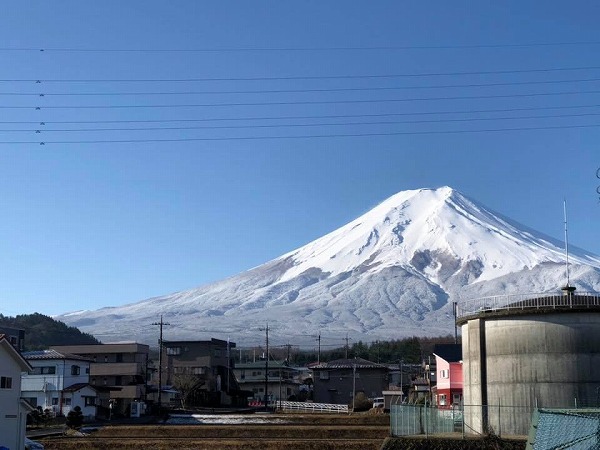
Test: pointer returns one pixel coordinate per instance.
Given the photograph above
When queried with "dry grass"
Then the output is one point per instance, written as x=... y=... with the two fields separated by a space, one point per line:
x=305 y=432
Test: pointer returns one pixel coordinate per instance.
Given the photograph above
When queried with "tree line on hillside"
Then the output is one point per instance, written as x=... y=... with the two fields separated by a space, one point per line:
x=43 y=331
x=410 y=350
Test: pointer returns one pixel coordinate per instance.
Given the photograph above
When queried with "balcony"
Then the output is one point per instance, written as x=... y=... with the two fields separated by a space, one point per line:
x=115 y=369
x=134 y=391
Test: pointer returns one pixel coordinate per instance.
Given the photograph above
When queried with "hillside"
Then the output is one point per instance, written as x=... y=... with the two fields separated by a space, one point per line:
x=42 y=331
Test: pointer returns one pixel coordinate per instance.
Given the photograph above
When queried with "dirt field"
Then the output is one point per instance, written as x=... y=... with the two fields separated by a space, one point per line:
x=300 y=432
x=311 y=432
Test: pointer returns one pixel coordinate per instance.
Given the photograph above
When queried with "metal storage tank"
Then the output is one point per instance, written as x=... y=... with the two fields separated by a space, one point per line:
x=521 y=351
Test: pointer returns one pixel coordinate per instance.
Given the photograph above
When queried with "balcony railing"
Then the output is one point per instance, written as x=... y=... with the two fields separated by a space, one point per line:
x=112 y=369
x=527 y=302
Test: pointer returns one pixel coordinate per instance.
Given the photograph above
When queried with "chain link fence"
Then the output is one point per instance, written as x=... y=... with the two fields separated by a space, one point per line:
x=409 y=420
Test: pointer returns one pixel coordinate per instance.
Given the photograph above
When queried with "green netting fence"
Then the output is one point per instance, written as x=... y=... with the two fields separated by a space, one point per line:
x=568 y=429
x=544 y=428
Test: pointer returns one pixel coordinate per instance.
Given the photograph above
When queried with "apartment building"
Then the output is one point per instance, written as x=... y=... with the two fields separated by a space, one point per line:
x=120 y=368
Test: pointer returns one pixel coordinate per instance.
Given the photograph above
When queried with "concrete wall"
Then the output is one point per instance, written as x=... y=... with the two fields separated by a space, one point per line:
x=550 y=360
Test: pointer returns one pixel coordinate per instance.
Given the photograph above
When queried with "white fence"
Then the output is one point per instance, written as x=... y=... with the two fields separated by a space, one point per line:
x=313 y=407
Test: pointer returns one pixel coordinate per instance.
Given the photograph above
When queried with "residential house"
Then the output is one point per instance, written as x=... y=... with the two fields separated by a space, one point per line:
x=449 y=388
x=211 y=362
x=59 y=382
x=120 y=368
x=420 y=391
x=339 y=381
x=16 y=336
x=282 y=383
x=13 y=409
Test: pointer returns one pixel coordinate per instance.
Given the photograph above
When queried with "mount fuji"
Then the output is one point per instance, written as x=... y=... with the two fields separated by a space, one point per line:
x=392 y=272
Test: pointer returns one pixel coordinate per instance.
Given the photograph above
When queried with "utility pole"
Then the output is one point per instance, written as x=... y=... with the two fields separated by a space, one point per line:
x=228 y=364
x=353 y=386
x=401 y=380
x=455 y=310
x=160 y=352
x=267 y=369
x=319 y=354
x=289 y=347
x=347 y=346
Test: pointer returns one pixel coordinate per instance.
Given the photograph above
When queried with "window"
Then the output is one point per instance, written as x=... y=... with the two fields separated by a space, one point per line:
x=198 y=370
x=87 y=370
x=173 y=351
x=5 y=382
x=47 y=370
x=55 y=400
x=324 y=375
x=90 y=401
x=444 y=373
x=119 y=357
x=442 y=399
x=75 y=370
x=118 y=380
x=67 y=401
x=217 y=352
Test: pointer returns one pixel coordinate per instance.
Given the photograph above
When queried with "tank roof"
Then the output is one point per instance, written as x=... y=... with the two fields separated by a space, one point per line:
x=508 y=305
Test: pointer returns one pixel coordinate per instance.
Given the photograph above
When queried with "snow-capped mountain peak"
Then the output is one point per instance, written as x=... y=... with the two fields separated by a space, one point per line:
x=410 y=228
x=393 y=271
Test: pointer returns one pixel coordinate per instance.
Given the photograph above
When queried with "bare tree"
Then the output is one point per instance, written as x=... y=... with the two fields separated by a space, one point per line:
x=187 y=384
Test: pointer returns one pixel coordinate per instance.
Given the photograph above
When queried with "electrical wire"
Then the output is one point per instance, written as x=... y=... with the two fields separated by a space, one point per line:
x=333 y=116
x=299 y=77
x=313 y=136
x=293 y=49
x=221 y=127
x=292 y=91
x=307 y=102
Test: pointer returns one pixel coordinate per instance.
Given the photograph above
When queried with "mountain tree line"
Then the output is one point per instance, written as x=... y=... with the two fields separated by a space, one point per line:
x=410 y=350
x=43 y=331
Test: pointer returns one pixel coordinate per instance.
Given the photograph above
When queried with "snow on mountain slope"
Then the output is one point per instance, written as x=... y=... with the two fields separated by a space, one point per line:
x=392 y=272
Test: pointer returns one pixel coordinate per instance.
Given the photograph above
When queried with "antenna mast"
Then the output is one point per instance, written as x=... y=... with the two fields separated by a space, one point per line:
x=568 y=289
x=566 y=244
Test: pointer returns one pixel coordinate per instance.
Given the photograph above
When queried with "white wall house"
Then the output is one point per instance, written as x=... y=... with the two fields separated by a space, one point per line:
x=13 y=410
x=59 y=382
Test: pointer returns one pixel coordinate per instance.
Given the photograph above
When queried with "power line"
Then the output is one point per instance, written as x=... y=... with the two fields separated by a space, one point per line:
x=332 y=116
x=307 y=102
x=299 y=77
x=295 y=125
x=249 y=138
x=292 y=91
x=298 y=49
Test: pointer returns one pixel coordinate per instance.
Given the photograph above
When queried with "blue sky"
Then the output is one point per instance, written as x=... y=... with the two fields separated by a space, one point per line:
x=90 y=221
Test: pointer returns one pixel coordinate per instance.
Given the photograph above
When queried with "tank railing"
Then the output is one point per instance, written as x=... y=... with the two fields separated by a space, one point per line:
x=527 y=302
